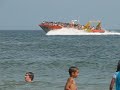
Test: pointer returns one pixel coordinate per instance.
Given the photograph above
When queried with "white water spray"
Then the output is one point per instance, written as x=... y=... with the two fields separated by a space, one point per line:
x=71 y=31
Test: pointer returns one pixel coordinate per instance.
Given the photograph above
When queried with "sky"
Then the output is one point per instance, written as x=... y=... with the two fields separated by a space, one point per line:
x=27 y=14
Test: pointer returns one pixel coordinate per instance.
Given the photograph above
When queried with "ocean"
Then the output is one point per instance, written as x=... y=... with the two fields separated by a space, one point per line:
x=50 y=56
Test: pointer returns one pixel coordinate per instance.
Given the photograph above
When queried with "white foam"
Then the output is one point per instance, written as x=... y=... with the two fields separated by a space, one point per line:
x=71 y=31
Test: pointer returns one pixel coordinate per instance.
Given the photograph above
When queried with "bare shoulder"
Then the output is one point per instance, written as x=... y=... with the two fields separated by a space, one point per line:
x=70 y=80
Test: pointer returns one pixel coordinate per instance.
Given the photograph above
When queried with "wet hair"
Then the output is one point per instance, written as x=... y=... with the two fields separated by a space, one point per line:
x=31 y=75
x=72 y=69
x=118 y=66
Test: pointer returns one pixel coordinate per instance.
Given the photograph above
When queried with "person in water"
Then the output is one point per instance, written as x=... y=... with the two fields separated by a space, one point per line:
x=116 y=78
x=71 y=84
x=29 y=76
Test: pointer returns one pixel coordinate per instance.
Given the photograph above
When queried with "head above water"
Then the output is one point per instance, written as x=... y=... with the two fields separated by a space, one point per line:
x=118 y=66
x=73 y=69
x=29 y=76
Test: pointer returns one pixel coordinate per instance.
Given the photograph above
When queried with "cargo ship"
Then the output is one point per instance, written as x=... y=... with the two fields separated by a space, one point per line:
x=91 y=26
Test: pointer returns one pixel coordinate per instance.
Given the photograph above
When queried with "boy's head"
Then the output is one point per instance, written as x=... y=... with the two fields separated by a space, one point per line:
x=73 y=71
x=29 y=76
x=118 y=66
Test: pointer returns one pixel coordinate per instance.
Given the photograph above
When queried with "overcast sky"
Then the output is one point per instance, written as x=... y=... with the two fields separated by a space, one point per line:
x=27 y=14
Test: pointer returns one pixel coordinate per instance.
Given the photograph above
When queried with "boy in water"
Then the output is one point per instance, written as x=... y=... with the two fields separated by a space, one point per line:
x=116 y=78
x=70 y=84
x=29 y=76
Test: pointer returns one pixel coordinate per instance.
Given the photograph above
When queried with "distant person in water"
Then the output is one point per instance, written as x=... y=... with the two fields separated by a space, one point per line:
x=71 y=84
x=116 y=78
x=29 y=76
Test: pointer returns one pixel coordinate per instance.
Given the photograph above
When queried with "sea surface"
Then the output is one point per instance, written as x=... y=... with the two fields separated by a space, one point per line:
x=50 y=56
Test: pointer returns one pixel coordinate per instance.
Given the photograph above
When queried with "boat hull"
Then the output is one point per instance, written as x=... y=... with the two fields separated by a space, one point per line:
x=98 y=31
x=47 y=27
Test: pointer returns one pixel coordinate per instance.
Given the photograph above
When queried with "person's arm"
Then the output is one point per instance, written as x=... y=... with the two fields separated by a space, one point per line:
x=112 y=84
x=68 y=84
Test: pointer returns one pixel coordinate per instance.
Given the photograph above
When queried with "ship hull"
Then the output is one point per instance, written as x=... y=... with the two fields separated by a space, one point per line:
x=47 y=27
x=98 y=31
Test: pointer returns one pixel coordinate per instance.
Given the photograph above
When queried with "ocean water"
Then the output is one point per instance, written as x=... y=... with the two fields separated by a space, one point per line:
x=49 y=58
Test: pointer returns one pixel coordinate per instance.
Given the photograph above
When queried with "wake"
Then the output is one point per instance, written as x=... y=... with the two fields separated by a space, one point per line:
x=65 y=31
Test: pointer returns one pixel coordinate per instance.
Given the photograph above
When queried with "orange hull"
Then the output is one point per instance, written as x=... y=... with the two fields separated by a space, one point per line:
x=51 y=27
x=99 y=31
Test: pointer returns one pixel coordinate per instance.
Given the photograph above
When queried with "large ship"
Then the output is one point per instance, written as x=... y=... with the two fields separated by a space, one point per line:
x=91 y=26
